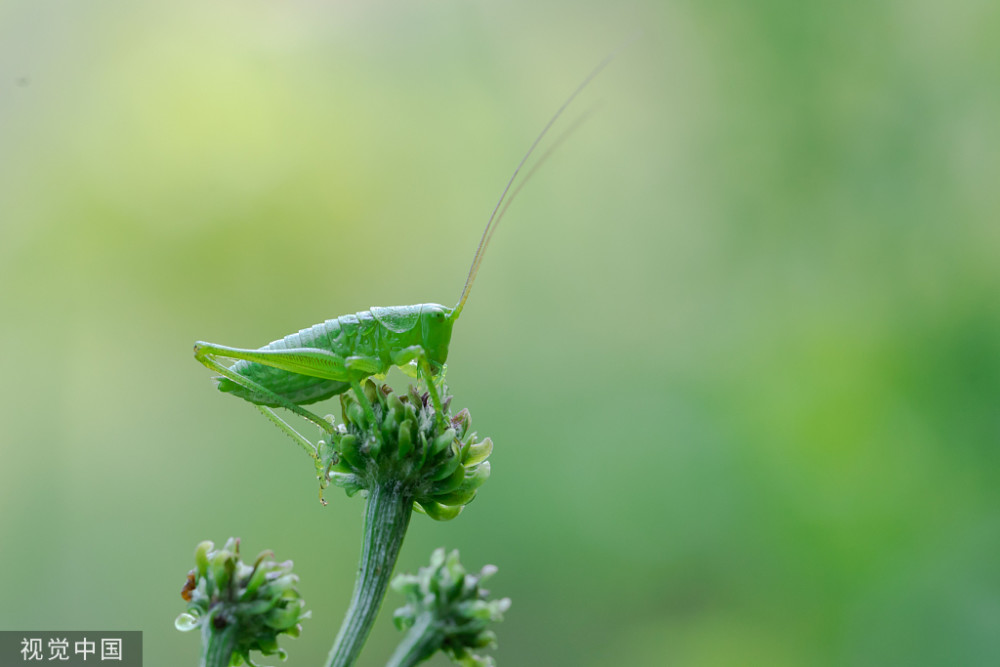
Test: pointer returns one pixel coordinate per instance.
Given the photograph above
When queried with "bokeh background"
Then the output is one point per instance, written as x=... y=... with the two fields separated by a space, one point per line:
x=737 y=343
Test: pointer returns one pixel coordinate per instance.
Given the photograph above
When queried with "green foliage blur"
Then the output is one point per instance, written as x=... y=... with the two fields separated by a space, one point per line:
x=737 y=343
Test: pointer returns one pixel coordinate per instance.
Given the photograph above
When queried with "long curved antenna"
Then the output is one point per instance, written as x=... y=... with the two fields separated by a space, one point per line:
x=494 y=220
x=538 y=163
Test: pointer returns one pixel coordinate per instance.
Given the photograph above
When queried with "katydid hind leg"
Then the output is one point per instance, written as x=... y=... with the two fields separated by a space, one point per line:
x=310 y=361
x=207 y=354
x=364 y=366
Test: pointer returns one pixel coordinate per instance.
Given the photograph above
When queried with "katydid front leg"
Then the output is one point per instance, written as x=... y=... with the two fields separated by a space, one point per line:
x=415 y=352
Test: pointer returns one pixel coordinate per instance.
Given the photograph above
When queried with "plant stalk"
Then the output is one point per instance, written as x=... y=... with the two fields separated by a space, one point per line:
x=420 y=643
x=217 y=645
x=387 y=516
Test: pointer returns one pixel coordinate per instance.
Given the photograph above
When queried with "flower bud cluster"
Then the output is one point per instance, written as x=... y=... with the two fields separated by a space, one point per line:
x=261 y=600
x=437 y=460
x=450 y=603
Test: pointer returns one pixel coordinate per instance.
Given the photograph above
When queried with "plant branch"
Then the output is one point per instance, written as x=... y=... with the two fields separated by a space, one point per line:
x=421 y=641
x=217 y=645
x=387 y=516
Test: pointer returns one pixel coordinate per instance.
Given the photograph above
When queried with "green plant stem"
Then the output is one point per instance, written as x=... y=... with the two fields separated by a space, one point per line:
x=420 y=643
x=386 y=517
x=217 y=645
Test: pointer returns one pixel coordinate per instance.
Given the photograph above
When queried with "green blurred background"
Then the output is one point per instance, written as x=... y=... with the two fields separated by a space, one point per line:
x=737 y=344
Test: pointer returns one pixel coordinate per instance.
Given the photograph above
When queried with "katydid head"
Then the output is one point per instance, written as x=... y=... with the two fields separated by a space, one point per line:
x=436 y=322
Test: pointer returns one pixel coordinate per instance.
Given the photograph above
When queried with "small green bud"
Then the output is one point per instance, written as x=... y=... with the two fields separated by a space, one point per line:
x=462 y=422
x=353 y=412
x=222 y=566
x=283 y=618
x=201 y=556
x=477 y=453
x=437 y=511
x=258 y=576
x=396 y=405
x=370 y=391
x=450 y=483
x=447 y=467
x=442 y=441
x=405 y=444
x=477 y=476
x=350 y=450
x=458 y=497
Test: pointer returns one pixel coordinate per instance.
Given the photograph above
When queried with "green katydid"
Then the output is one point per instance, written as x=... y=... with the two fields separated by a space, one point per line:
x=334 y=356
